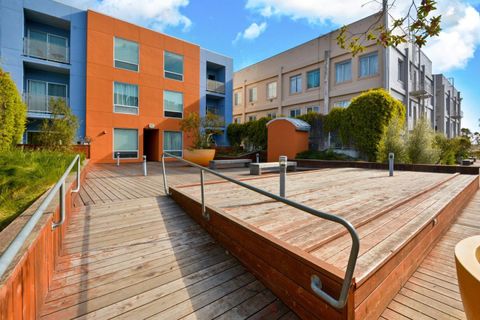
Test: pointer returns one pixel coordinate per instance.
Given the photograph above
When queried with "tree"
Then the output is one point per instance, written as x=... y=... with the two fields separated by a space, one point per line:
x=393 y=141
x=415 y=26
x=59 y=131
x=13 y=112
x=421 y=147
x=201 y=129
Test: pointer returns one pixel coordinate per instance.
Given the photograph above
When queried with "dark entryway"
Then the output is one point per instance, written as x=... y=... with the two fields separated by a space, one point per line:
x=151 y=147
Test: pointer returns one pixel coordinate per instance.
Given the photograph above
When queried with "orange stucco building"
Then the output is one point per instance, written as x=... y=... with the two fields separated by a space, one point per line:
x=127 y=81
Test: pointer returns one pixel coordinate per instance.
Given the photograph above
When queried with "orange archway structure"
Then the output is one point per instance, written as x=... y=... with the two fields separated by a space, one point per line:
x=286 y=137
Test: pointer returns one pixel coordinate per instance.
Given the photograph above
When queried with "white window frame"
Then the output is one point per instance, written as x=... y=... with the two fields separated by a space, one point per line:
x=341 y=104
x=366 y=56
x=341 y=63
x=250 y=94
x=268 y=90
x=163 y=104
x=297 y=76
x=67 y=47
x=125 y=106
x=319 y=79
x=114 y=59
x=163 y=142
x=237 y=98
x=272 y=115
x=114 y=153
x=252 y=118
x=312 y=109
x=299 y=110
x=176 y=73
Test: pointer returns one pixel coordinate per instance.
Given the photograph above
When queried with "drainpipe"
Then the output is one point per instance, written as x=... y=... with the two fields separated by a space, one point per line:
x=386 y=51
x=280 y=92
x=407 y=83
x=326 y=82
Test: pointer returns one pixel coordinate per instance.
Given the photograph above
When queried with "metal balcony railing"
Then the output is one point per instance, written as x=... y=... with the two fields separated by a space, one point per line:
x=47 y=50
x=422 y=89
x=215 y=86
x=40 y=103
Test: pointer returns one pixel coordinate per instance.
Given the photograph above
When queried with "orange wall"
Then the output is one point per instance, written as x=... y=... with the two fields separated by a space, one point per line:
x=285 y=140
x=101 y=74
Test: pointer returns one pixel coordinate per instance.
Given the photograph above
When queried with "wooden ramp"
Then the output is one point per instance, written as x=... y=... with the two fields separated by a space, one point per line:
x=398 y=219
x=432 y=291
x=132 y=253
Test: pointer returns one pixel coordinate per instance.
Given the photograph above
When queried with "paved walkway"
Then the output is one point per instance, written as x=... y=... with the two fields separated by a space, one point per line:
x=432 y=291
x=132 y=253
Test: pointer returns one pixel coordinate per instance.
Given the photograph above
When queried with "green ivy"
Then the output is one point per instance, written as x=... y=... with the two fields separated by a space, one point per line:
x=253 y=134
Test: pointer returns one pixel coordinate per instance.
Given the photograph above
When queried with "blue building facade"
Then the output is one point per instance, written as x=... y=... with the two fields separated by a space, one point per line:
x=216 y=87
x=43 y=47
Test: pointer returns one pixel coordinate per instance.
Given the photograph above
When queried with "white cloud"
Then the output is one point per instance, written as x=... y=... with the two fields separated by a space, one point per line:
x=252 y=32
x=452 y=49
x=156 y=14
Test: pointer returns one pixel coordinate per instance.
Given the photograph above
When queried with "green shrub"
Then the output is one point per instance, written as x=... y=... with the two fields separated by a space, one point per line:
x=447 y=149
x=235 y=134
x=368 y=117
x=253 y=134
x=393 y=141
x=337 y=121
x=312 y=118
x=328 y=154
x=463 y=147
x=421 y=147
x=13 y=113
x=60 y=130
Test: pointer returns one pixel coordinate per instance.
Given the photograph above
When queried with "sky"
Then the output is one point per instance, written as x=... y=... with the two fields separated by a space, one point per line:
x=252 y=30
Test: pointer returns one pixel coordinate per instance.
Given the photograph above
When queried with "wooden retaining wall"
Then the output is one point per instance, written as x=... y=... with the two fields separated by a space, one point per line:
x=24 y=285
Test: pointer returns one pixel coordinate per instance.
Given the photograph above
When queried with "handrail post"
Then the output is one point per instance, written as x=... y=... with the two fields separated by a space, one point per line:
x=118 y=159
x=61 y=194
x=202 y=187
x=283 y=174
x=391 y=158
x=77 y=189
x=145 y=165
x=164 y=173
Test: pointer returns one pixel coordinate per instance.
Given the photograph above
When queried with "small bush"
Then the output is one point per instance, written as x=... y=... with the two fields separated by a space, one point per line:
x=59 y=131
x=13 y=113
x=253 y=135
x=338 y=122
x=393 y=140
x=446 y=149
x=421 y=147
x=328 y=154
x=235 y=133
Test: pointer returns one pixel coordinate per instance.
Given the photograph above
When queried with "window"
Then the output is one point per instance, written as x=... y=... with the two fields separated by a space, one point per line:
x=272 y=115
x=252 y=118
x=295 y=112
x=272 y=90
x=343 y=71
x=313 y=79
x=315 y=109
x=173 y=142
x=40 y=93
x=237 y=120
x=252 y=94
x=125 y=98
x=125 y=143
x=296 y=84
x=237 y=98
x=173 y=66
x=401 y=70
x=341 y=104
x=126 y=54
x=173 y=104
x=368 y=65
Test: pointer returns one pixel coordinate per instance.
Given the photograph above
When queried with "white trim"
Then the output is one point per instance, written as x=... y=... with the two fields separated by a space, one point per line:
x=183 y=66
x=349 y=60
x=114 y=59
x=138 y=99
x=276 y=85
x=113 y=144
x=163 y=142
x=163 y=104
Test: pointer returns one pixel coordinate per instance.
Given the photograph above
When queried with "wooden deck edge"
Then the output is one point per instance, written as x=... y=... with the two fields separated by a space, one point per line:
x=25 y=284
x=374 y=294
x=284 y=269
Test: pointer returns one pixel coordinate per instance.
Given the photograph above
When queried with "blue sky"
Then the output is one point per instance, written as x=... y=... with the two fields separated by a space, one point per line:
x=252 y=30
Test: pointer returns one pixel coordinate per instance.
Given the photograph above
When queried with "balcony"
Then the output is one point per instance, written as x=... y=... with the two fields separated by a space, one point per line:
x=215 y=86
x=456 y=115
x=47 y=47
x=40 y=104
x=421 y=90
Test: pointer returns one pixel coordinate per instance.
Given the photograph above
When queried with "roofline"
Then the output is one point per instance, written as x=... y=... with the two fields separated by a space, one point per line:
x=301 y=44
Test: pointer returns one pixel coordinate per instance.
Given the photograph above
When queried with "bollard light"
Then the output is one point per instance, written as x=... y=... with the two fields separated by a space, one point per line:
x=145 y=165
x=391 y=158
x=258 y=157
x=282 y=161
x=118 y=159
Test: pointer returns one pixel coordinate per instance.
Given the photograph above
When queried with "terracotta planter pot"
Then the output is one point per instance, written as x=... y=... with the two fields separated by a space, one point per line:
x=199 y=156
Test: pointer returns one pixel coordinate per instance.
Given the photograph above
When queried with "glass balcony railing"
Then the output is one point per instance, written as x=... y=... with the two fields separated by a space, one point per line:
x=49 y=47
x=215 y=86
x=40 y=103
x=422 y=89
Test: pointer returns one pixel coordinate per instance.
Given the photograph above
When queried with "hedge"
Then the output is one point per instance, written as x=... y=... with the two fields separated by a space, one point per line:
x=253 y=134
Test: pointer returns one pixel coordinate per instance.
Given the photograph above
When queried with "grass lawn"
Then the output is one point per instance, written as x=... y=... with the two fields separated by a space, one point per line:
x=26 y=175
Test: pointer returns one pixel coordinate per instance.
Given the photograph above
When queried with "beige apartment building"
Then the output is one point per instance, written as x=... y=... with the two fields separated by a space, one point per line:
x=318 y=75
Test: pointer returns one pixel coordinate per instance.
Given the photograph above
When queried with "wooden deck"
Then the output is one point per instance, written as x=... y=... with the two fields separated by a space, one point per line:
x=398 y=220
x=131 y=253
x=432 y=291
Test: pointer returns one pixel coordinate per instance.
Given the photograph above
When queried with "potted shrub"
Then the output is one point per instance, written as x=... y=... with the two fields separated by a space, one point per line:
x=200 y=130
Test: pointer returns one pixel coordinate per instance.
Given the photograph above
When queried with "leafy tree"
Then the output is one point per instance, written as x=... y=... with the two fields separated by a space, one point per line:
x=416 y=26
x=13 y=112
x=201 y=129
x=393 y=140
x=447 y=149
x=59 y=131
x=421 y=146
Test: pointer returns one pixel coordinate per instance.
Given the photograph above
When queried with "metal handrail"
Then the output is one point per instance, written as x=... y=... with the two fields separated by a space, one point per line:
x=12 y=250
x=316 y=283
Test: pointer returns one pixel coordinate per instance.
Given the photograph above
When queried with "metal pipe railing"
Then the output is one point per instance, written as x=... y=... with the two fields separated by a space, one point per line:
x=315 y=283
x=12 y=250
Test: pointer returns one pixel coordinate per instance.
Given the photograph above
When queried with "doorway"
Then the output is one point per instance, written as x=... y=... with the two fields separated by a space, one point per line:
x=151 y=144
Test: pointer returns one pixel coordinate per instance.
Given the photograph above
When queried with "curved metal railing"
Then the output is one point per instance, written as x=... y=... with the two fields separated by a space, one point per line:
x=13 y=248
x=316 y=283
